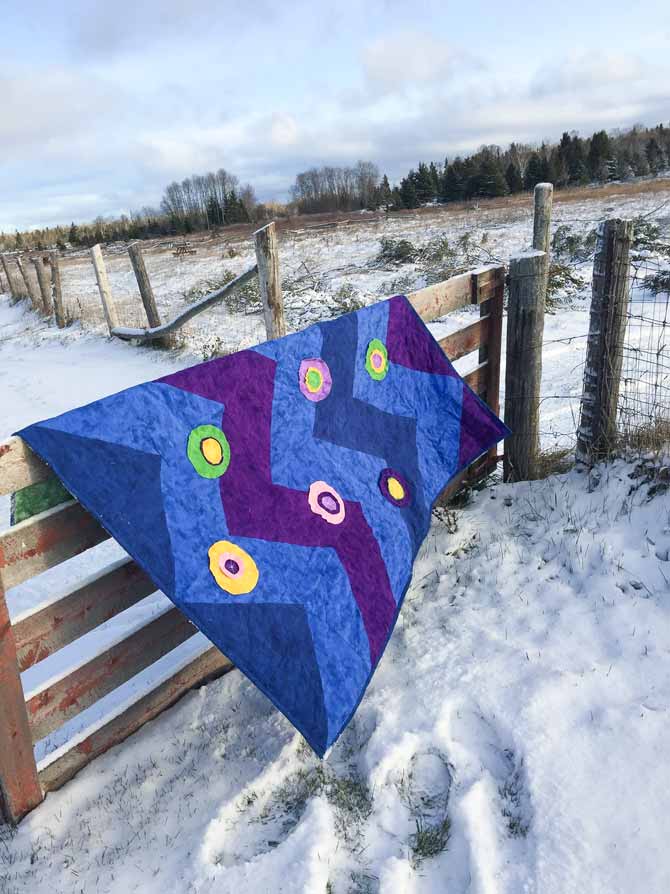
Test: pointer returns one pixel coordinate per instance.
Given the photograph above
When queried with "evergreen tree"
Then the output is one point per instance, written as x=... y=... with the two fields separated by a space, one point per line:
x=513 y=178
x=491 y=180
x=534 y=172
x=73 y=235
x=655 y=156
x=599 y=153
x=435 y=180
x=398 y=203
x=424 y=184
x=577 y=170
x=453 y=183
x=385 y=193
x=408 y=191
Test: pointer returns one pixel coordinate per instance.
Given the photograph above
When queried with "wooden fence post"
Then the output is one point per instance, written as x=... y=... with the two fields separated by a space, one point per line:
x=59 y=311
x=106 y=298
x=11 y=282
x=44 y=283
x=596 y=435
x=20 y=789
x=267 y=258
x=147 y=293
x=523 y=373
x=542 y=218
x=31 y=285
x=2 y=283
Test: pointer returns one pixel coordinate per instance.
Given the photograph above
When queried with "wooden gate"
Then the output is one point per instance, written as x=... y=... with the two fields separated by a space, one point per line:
x=58 y=534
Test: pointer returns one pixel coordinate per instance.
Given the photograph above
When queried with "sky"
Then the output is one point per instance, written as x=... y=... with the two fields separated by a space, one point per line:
x=102 y=104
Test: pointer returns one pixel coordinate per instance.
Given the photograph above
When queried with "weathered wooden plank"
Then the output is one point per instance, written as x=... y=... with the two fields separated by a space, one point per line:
x=44 y=280
x=490 y=349
x=144 y=283
x=108 y=305
x=523 y=375
x=466 y=340
x=19 y=466
x=32 y=286
x=442 y=298
x=205 y=667
x=45 y=540
x=16 y=287
x=20 y=789
x=61 y=699
x=597 y=432
x=489 y=352
x=100 y=598
x=267 y=258
x=57 y=287
x=477 y=378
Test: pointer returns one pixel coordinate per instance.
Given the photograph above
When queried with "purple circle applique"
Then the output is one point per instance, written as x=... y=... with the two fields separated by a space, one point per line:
x=325 y=501
x=232 y=567
x=315 y=379
x=395 y=487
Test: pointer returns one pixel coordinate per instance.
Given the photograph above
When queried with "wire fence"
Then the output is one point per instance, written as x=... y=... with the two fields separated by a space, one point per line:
x=643 y=411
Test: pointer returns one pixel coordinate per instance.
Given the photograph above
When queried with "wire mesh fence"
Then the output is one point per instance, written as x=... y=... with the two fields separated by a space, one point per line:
x=643 y=411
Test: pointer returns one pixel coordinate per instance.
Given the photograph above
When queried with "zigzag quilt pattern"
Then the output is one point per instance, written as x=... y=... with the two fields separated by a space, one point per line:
x=279 y=496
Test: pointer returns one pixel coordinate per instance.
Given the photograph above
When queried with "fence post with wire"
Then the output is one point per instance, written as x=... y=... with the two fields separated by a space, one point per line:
x=597 y=432
x=523 y=371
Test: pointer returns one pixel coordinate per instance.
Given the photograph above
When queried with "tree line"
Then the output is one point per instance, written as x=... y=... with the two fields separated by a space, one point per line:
x=216 y=198
x=490 y=172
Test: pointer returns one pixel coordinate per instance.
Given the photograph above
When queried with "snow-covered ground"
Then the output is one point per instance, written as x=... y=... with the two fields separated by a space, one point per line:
x=513 y=739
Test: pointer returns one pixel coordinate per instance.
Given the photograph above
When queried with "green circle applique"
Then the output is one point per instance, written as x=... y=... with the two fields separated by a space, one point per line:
x=209 y=451
x=377 y=360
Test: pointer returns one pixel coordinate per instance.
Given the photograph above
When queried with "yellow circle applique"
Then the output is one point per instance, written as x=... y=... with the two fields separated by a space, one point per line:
x=211 y=450
x=232 y=568
x=395 y=488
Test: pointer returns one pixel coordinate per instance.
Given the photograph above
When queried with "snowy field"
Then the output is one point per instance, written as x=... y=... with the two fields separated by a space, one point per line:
x=514 y=737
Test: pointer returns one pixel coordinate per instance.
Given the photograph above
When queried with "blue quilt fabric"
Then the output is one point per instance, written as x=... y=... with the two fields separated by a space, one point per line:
x=279 y=495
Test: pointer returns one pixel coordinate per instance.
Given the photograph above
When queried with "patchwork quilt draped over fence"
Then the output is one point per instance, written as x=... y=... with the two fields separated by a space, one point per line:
x=279 y=496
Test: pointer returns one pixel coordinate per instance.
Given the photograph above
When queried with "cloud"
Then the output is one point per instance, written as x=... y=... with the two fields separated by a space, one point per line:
x=158 y=91
x=585 y=71
x=395 y=61
x=108 y=29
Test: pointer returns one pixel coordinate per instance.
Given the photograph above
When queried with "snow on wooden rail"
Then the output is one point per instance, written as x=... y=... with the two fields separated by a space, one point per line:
x=45 y=540
x=212 y=298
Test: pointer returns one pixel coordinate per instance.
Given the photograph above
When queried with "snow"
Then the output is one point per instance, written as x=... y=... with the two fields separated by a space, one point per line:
x=513 y=739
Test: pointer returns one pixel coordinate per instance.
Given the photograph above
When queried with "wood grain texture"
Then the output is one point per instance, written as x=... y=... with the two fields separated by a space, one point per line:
x=20 y=789
x=597 y=432
x=442 y=298
x=205 y=667
x=525 y=328
x=462 y=342
x=16 y=289
x=108 y=305
x=97 y=600
x=267 y=258
x=66 y=697
x=31 y=287
x=57 y=290
x=19 y=466
x=46 y=540
x=44 y=280
x=144 y=283
x=543 y=196
x=477 y=378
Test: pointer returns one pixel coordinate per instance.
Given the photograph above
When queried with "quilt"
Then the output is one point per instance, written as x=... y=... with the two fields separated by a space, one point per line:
x=279 y=495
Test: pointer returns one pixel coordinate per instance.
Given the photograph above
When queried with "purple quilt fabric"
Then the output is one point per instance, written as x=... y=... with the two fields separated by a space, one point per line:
x=279 y=495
